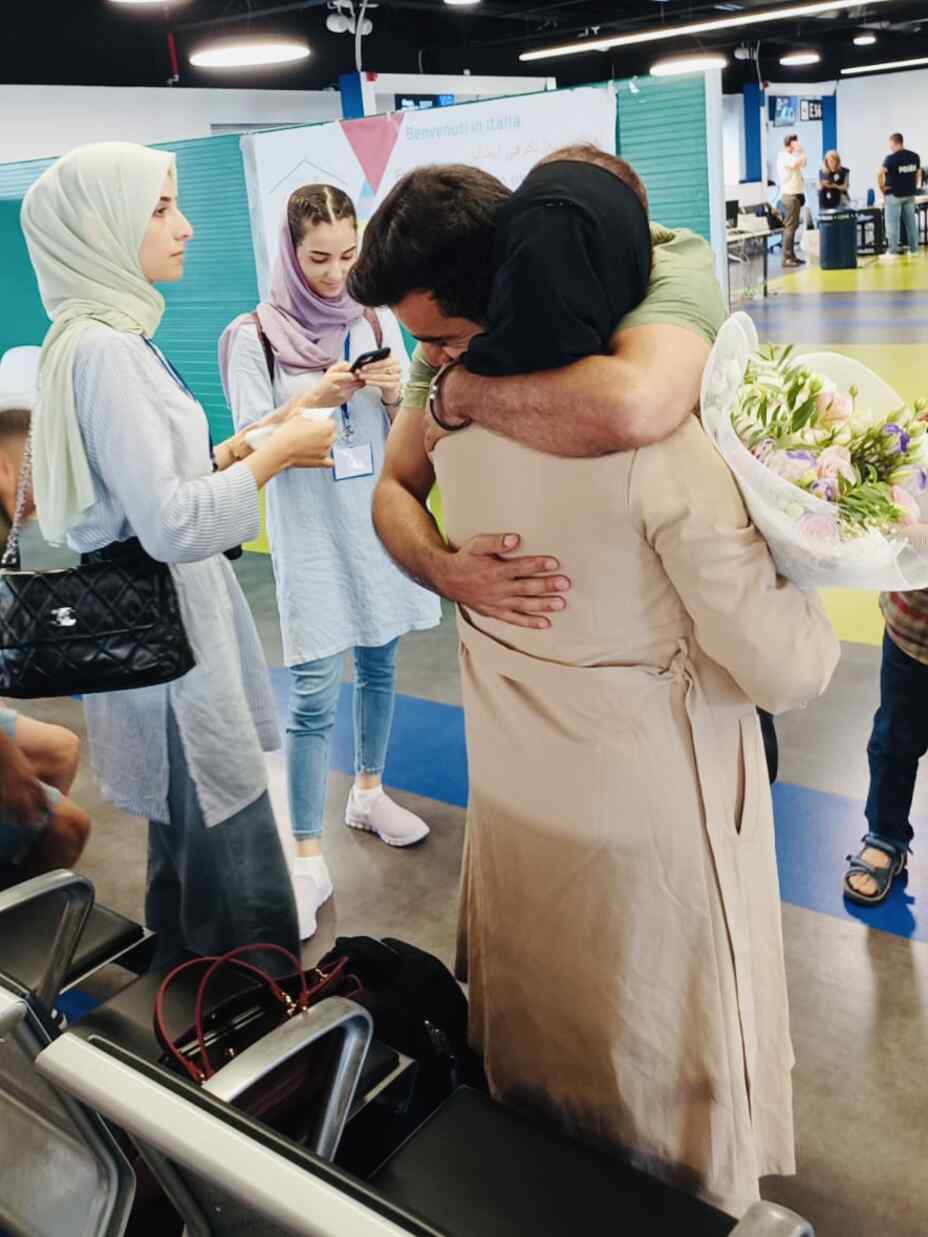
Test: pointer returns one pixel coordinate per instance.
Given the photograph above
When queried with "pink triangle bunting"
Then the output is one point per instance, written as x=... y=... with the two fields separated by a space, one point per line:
x=372 y=139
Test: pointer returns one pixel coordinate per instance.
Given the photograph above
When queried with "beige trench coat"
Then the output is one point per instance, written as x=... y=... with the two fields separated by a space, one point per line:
x=620 y=917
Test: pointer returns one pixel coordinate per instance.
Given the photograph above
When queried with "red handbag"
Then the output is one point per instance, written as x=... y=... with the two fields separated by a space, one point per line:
x=283 y=1100
x=237 y=1022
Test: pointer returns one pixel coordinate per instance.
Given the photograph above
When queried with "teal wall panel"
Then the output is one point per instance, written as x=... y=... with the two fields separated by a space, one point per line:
x=662 y=133
x=15 y=178
x=219 y=278
x=22 y=318
x=661 y=130
x=219 y=281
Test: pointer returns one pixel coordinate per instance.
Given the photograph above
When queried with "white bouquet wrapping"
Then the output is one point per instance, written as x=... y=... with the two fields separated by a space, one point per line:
x=830 y=460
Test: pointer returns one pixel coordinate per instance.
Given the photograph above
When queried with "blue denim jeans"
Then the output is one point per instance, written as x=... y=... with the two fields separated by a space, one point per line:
x=898 y=742
x=315 y=687
x=900 y=214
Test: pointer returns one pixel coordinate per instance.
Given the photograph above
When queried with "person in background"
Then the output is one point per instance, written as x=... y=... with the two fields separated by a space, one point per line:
x=35 y=553
x=791 y=163
x=19 y=369
x=619 y=819
x=121 y=450
x=898 y=742
x=337 y=588
x=48 y=753
x=833 y=182
x=900 y=178
x=41 y=830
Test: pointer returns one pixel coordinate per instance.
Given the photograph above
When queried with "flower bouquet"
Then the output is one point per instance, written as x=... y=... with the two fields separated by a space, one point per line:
x=830 y=460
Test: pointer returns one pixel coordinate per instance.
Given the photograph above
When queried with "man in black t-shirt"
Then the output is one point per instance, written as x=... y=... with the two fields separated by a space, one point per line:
x=900 y=179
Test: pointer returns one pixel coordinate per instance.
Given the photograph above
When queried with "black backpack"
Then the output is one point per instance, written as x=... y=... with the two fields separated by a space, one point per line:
x=417 y=1005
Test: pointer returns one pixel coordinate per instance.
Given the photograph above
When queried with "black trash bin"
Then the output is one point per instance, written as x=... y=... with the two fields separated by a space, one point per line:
x=837 y=242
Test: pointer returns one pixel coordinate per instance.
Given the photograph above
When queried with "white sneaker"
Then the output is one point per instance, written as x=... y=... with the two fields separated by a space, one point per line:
x=375 y=812
x=312 y=888
x=889 y=256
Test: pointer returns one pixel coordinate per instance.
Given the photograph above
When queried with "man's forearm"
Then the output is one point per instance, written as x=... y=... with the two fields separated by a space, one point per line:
x=409 y=533
x=597 y=406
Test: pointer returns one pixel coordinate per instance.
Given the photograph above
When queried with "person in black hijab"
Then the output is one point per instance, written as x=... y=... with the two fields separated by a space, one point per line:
x=573 y=257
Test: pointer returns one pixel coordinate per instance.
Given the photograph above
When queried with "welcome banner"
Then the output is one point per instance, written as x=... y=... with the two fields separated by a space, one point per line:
x=367 y=157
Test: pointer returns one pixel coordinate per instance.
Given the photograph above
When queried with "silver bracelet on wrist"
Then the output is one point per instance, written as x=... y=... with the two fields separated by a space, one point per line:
x=435 y=408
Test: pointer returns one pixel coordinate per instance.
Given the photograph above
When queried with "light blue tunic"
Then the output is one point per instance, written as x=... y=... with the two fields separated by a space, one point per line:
x=147 y=445
x=337 y=587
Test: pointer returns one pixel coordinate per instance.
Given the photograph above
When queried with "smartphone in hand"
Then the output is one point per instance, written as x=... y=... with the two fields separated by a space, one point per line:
x=370 y=358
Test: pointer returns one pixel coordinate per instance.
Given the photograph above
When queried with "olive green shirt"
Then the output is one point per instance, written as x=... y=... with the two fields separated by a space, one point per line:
x=683 y=291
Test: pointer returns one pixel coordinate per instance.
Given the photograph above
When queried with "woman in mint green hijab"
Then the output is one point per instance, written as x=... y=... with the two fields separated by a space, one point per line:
x=121 y=449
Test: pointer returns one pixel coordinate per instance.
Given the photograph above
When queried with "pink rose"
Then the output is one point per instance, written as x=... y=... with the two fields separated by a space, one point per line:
x=835 y=462
x=909 y=512
x=836 y=411
x=819 y=527
x=825 y=396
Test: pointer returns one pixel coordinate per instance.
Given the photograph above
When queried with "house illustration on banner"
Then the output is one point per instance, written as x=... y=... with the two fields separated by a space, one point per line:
x=372 y=141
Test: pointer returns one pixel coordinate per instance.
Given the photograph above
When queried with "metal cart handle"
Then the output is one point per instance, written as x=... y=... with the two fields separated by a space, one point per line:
x=334 y=1013
x=78 y=902
x=772 y=1220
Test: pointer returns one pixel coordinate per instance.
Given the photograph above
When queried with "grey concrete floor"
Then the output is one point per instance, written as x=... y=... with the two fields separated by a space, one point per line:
x=859 y=997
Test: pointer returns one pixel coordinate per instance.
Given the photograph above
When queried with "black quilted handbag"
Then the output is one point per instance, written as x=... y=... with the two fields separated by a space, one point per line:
x=109 y=624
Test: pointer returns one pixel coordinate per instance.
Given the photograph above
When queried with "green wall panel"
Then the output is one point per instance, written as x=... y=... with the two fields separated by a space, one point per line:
x=661 y=130
x=22 y=318
x=662 y=133
x=219 y=281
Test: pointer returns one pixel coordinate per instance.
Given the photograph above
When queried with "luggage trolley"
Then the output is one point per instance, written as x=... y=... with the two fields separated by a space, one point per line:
x=73 y=1104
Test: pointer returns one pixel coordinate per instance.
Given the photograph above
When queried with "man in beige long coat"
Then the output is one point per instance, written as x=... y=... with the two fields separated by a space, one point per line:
x=620 y=913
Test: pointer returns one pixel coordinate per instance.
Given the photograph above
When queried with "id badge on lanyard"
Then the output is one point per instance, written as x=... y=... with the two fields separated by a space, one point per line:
x=352 y=459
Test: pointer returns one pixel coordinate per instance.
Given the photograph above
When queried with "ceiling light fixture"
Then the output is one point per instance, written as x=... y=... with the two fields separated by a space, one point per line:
x=149 y=2
x=696 y=27
x=676 y=65
x=864 y=40
x=241 y=53
x=889 y=64
x=462 y=4
x=793 y=60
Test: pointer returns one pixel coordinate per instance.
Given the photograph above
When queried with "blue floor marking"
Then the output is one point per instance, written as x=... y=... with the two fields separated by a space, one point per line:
x=427 y=753
x=75 y=1005
x=814 y=830
x=826 y=321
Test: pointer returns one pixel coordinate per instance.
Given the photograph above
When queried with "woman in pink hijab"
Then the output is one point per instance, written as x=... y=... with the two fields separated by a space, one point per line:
x=337 y=589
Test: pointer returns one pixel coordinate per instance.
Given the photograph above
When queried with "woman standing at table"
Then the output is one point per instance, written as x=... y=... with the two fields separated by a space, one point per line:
x=833 y=183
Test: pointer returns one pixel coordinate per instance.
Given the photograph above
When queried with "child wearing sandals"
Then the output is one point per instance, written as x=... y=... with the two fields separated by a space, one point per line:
x=897 y=743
